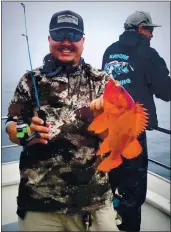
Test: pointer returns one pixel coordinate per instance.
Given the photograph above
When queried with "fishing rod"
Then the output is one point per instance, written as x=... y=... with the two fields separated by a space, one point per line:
x=41 y=113
x=22 y=128
x=31 y=67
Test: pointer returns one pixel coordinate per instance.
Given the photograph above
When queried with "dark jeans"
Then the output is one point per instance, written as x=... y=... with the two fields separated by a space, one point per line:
x=131 y=180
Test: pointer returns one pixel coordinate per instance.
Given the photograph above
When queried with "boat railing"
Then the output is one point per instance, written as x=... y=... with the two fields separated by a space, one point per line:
x=160 y=129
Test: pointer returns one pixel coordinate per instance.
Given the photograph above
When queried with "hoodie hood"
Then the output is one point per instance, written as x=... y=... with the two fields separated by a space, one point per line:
x=133 y=39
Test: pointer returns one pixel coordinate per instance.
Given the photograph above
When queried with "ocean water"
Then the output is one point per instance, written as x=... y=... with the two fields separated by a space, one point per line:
x=158 y=142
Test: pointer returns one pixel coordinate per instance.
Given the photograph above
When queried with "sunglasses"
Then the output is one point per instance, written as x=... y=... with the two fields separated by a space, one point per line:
x=70 y=35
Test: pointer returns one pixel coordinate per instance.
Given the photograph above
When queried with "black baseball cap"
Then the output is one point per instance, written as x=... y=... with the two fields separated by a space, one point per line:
x=139 y=18
x=66 y=20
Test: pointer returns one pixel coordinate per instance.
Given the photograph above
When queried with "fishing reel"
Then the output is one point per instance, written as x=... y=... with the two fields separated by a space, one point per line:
x=23 y=129
x=23 y=133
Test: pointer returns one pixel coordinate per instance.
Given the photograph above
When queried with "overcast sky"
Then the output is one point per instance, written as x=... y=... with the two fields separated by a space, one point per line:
x=103 y=25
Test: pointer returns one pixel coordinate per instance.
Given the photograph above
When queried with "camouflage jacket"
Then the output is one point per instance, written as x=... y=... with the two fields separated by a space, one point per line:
x=61 y=176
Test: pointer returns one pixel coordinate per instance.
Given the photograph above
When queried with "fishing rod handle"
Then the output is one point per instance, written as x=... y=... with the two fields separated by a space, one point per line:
x=42 y=115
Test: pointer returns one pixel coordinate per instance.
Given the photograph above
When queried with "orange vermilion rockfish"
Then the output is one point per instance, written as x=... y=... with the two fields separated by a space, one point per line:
x=124 y=120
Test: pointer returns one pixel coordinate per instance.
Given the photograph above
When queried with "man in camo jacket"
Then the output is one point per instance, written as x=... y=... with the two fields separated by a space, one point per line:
x=60 y=188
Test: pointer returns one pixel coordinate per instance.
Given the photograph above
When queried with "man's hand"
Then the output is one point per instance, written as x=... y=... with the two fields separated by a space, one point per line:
x=97 y=106
x=37 y=125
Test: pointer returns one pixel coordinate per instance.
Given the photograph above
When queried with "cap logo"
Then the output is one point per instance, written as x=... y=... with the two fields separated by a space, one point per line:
x=67 y=19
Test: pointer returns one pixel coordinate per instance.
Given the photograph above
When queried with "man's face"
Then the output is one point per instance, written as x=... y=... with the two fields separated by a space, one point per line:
x=66 y=45
x=146 y=31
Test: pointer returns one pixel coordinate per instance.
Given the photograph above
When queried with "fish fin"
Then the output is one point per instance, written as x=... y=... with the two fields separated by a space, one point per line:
x=109 y=141
x=107 y=164
x=141 y=119
x=104 y=147
x=99 y=124
x=132 y=150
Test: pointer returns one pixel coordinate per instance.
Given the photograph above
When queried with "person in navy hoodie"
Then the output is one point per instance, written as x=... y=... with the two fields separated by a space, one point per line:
x=144 y=74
